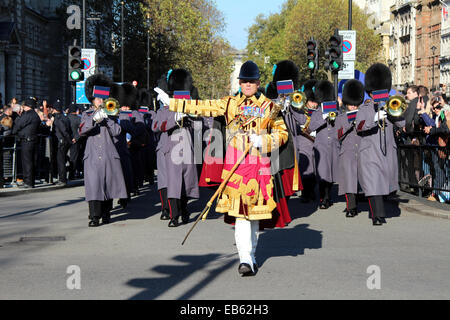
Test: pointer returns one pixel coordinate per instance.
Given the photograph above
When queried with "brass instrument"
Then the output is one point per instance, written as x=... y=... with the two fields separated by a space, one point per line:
x=332 y=116
x=299 y=100
x=395 y=107
x=111 y=107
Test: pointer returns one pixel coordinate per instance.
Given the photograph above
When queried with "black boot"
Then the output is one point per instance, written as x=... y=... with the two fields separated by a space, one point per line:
x=351 y=213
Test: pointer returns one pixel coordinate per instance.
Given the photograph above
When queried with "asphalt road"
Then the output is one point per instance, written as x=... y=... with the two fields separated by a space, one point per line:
x=320 y=255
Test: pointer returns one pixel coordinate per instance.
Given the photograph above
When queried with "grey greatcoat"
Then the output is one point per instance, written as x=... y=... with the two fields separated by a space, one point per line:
x=347 y=177
x=162 y=141
x=179 y=156
x=326 y=147
x=377 y=163
x=103 y=177
x=304 y=146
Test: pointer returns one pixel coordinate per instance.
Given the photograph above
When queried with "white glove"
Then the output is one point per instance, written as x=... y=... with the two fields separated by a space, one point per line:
x=380 y=116
x=179 y=116
x=313 y=134
x=100 y=115
x=256 y=140
x=162 y=96
x=325 y=115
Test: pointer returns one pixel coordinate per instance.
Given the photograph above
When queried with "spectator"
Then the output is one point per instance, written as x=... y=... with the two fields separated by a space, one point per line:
x=6 y=123
x=64 y=135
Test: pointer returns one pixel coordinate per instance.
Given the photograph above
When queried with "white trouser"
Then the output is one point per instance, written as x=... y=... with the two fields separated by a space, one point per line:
x=246 y=236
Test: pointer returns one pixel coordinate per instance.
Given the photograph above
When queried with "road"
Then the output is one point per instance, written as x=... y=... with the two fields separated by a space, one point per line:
x=320 y=255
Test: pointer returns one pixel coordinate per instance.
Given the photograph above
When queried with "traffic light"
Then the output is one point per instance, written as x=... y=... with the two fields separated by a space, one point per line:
x=312 y=54
x=334 y=54
x=75 y=64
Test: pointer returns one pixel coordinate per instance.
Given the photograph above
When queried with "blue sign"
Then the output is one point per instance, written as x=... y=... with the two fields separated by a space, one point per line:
x=80 y=95
x=346 y=46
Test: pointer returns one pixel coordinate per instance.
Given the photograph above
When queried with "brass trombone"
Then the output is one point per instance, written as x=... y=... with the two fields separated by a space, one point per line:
x=395 y=107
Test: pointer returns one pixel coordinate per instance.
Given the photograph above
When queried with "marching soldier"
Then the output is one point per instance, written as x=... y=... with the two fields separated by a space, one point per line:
x=326 y=144
x=377 y=169
x=26 y=128
x=352 y=97
x=248 y=197
x=63 y=134
x=73 y=114
x=103 y=177
x=179 y=152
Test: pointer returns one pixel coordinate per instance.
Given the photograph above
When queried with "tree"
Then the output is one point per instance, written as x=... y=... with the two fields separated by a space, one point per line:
x=284 y=35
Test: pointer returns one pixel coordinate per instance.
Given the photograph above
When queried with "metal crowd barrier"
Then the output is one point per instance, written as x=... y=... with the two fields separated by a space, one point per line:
x=424 y=168
x=45 y=158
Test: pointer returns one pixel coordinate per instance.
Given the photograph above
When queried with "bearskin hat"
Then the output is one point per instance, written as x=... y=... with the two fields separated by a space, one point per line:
x=194 y=93
x=145 y=98
x=179 y=80
x=117 y=92
x=324 y=91
x=271 y=91
x=378 y=77
x=353 y=93
x=286 y=70
x=131 y=96
x=308 y=89
x=95 y=80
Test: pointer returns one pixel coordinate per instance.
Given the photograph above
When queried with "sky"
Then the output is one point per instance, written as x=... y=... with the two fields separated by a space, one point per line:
x=239 y=15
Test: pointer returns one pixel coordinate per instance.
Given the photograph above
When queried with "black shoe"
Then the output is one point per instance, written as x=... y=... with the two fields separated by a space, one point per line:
x=106 y=219
x=325 y=204
x=164 y=216
x=382 y=219
x=123 y=203
x=94 y=222
x=174 y=223
x=351 y=213
x=185 y=218
x=246 y=270
x=376 y=222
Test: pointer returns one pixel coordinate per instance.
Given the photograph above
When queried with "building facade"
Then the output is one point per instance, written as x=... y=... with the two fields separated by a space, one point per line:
x=444 y=59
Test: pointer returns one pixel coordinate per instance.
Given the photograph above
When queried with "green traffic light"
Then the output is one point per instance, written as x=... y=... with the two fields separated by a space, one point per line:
x=335 y=65
x=311 y=65
x=75 y=75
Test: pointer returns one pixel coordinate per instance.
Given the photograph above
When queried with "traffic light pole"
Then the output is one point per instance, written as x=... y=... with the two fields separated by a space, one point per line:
x=350 y=14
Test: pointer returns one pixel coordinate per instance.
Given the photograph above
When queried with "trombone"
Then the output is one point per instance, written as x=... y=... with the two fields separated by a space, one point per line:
x=395 y=107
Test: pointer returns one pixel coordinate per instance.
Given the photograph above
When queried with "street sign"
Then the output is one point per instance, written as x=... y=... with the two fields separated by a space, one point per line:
x=89 y=58
x=348 y=44
x=80 y=95
x=348 y=71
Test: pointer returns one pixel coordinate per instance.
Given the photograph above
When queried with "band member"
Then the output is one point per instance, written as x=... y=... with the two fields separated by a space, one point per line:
x=74 y=116
x=179 y=151
x=103 y=177
x=326 y=144
x=248 y=197
x=284 y=163
x=377 y=163
x=63 y=134
x=352 y=97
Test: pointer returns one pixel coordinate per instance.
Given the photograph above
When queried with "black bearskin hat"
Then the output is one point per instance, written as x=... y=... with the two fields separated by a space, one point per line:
x=308 y=89
x=179 y=80
x=271 y=91
x=286 y=70
x=353 y=93
x=95 y=80
x=378 y=77
x=145 y=98
x=131 y=96
x=117 y=92
x=324 y=91
x=194 y=93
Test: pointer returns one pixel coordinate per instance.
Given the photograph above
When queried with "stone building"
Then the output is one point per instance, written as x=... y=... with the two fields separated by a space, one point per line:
x=444 y=59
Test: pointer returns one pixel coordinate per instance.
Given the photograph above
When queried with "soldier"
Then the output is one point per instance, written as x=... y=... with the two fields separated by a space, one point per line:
x=377 y=163
x=103 y=177
x=179 y=151
x=352 y=97
x=26 y=128
x=63 y=134
x=73 y=114
x=326 y=144
x=248 y=197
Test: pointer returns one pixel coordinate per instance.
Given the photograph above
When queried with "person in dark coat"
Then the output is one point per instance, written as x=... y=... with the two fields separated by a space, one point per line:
x=326 y=143
x=103 y=177
x=26 y=128
x=74 y=116
x=377 y=163
x=63 y=134
x=146 y=107
x=352 y=97
x=179 y=152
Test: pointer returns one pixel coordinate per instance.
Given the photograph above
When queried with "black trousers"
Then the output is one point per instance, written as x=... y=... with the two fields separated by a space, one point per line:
x=61 y=156
x=325 y=190
x=178 y=207
x=28 y=155
x=99 y=209
x=376 y=207
x=165 y=210
x=309 y=186
x=75 y=159
x=350 y=198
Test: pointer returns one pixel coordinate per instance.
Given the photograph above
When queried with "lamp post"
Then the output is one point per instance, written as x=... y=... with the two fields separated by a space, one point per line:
x=121 y=47
x=433 y=49
x=149 y=21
